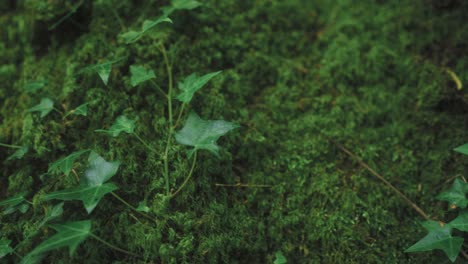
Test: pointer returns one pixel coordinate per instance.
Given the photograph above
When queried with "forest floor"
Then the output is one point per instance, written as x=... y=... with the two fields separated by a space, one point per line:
x=378 y=77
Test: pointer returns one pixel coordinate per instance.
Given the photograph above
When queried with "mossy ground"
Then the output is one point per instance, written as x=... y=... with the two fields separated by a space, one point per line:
x=369 y=74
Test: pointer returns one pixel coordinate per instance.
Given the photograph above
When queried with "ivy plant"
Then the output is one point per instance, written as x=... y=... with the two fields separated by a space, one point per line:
x=440 y=235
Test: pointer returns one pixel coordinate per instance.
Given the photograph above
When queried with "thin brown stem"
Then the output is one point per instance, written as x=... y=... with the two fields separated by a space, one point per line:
x=381 y=178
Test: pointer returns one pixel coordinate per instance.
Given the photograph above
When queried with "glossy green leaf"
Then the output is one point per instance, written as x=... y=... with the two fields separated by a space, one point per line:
x=65 y=165
x=121 y=124
x=5 y=248
x=439 y=237
x=44 y=107
x=279 y=258
x=102 y=69
x=203 y=134
x=133 y=36
x=193 y=83
x=461 y=222
x=100 y=170
x=456 y=195
x=93 y=186
x=142 y=207
x=19 y=154
x=33 y=86
x=69 y=234
x=80 y=110
x=140 y=74
x=89 y=195
x=462 y=149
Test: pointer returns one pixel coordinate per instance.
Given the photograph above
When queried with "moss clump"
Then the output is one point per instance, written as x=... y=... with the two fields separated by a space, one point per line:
x=371 y=76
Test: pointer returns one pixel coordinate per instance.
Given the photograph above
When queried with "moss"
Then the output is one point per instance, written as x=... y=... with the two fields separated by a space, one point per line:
x=371 y=76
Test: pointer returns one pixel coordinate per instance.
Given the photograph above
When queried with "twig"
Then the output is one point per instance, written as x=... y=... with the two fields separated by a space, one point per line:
x=380 y=177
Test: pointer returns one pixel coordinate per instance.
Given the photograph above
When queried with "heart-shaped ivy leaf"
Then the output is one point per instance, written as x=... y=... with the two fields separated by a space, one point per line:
x=102 y=69
x=193 y=83
x=203 y=134
x=456 y=195
x=94 y=185
x=69 y=234
x=44 y=107
x=133 y=36
x=439 y=237
x=65 y=165
x=140 y=74
x=121 y=124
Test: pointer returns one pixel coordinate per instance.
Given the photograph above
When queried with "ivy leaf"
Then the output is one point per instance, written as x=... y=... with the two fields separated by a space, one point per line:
x=44 y=107
x=19 y=154
x=80 y=110
x=69 y=234
x=102 y=69
x=203 y=134
x=439 y=237
x=65 y=165
x=33 y=86
x=14 y=201
x=55 y=212
x=180 y=5
x=142 y=207
x=100 y=170
x=94 y=187
x=461 y=222
x=279 y=258
x=463 y=149
x=456 y=195
x=193 y=83
x=14 y=204
x=89 y=195
x=5 y=248
x=133 y=36
x=121 y=124
x=140 y=74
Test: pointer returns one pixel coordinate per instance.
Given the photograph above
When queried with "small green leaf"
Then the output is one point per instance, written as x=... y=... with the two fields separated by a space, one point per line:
x=65 y=165
x=33 y=86
x=121 y=124
x=456 y=195
x=44 y=107
x=203 y=134
x=132 y=36
x=55 y=212
x=23 y=208
x=461 y=222
x=193 y=83
x=5 y=248
x=439 y=237
x=99 y=170
x=19 y=154
x=279 y=258
x=142 y=207
x=80 y=110
x=463 y=149
x=93 y=187
x=102 y=69
x=180 y=5
x=140 y=74
x=69 y=234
